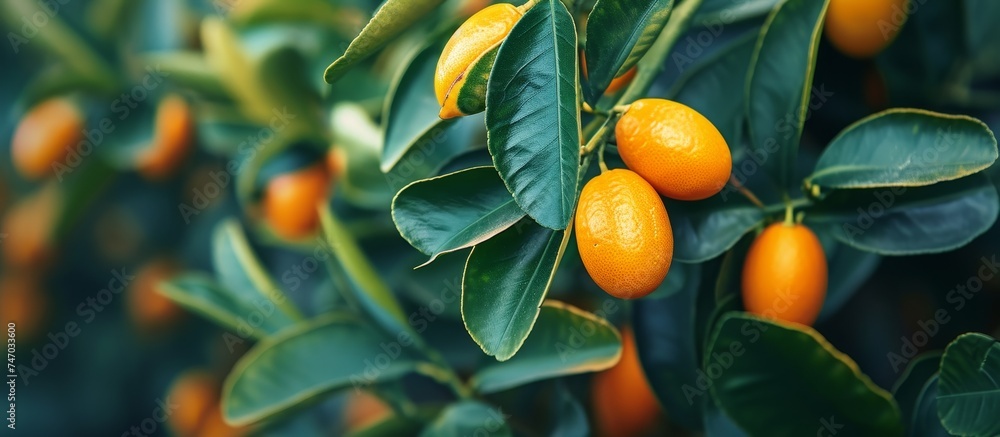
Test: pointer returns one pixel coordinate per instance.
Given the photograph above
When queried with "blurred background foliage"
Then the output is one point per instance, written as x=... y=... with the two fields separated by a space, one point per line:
x=248 y=76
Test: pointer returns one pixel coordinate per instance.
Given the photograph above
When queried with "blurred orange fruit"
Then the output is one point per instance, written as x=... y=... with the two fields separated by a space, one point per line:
x=216 y=426
x=28 y=229
x=171 y=139
x=291 y=199
x=150 y=309
x=676 y=149
x=364 y=409
x=23 y=301
x=467 y=59
x=623 y=234
x=624 y=405
x=863 y=28
x=44 y=135
x=196 y=394
x=785 y=274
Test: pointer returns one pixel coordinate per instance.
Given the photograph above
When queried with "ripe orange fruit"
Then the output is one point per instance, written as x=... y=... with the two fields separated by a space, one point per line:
x=465 y=63
x=623 y=234
x=785 y=274
x=675 y=148
x=624 y=405
x=863 y=28
x=364 y=409
x=23 y=301
x=28 y=229
x=195 y=393
x=149 y=309
x=290 y=201
x=44 y=135
x=171 y=140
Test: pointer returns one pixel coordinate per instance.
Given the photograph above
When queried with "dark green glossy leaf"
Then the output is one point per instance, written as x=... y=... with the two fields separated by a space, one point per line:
x=780 y=82
x=905 y=147
x=968 y=392
x=369 y=291
x=468 y=418
x=666 y=343
x=618 y=34
x=848 y=269
x=411 y=108
x=202 y=295
x=454 y=211
x=925 y=419
x=777 y=378
x=391 y=19
x=564 y=341
x=705 y=229
x=568 y=414
x=910 y=387
x=242 y=274
x=718 y=424
x=716 y=89
x=906 y=221
x=304 y=363
x=532 y=115
x=679 y=277
x=506 y=279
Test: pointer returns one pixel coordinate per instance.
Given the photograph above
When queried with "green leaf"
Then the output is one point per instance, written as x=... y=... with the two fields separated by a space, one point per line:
x=368 y=289
x=925 y=419
x=391 y=426
x=391 y=19
x=506 y=279
x=565 y=341
x=228 y=58
x=667 y=347
x=242 y=274
x=780 y=81
x=532 y=115
x=785 y=379
x=907 y=221
x=204 y=296
x=618 y=34
x=360 y=139
x=411 y=107
x=454 y=211
x=718 y=424
x=716 y=89
x=905 y=147
x=302 y=364
x=911 y=386
x=705 y=229
x=968 y=392
x=679 y=277
x=848 y=269
x=189 y=69
x=468 y=418
x=570 y=418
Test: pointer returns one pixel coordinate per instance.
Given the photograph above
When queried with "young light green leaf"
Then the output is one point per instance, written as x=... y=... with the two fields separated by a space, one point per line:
x=968 y=392
x=506 y=279
x=905 y=147
x=618 y=34
x=780 y=82
x=910 y=220
x=454 y=211
x=204 y=296
x=786 y=379
x=556 y=347
x=532 y=114
x=302 y=364
x=391 y=19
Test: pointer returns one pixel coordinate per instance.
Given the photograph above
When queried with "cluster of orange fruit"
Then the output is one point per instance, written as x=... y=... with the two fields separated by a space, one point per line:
x=622 y=227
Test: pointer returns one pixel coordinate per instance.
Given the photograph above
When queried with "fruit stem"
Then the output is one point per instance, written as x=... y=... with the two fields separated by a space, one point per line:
x=600 y=158
x=745 y=192
x=789 y=211
x=621 y=109
x=597 y=139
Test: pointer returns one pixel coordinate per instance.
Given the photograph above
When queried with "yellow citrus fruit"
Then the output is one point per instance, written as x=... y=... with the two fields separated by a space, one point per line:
x=623 y=234
x=195 y=393
x=785 y=274
x=675 y=148
x=291 y=199
x=171 y=140
x=624 y=405
x=464 y=66
x=863 y=28
x=364 y=409
x=23 y=301
x=150 y=309
x=29 y=228
x=44 y=135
